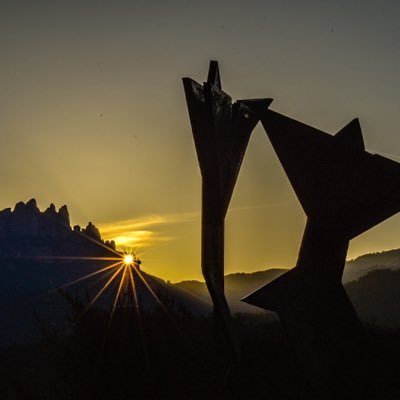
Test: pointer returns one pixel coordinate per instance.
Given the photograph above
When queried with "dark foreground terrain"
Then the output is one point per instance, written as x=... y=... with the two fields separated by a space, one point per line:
x=172 y=354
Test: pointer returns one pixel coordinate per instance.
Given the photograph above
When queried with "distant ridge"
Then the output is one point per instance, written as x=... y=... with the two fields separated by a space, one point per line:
x=358 y=276
x=237 y=285
x=361 y=265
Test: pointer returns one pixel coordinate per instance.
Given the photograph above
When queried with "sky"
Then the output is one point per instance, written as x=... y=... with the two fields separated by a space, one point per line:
x=93 y=114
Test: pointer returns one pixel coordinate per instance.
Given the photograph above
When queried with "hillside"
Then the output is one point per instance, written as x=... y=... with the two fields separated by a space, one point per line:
x=375 y=295
x=237 y=286
x=361 y=265
x=31 y=302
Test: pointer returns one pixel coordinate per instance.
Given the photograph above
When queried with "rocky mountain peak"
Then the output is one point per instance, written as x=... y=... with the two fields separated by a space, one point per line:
x=44 y=233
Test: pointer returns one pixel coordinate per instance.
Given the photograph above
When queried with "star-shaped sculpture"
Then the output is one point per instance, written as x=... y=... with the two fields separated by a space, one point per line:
x=344 y=191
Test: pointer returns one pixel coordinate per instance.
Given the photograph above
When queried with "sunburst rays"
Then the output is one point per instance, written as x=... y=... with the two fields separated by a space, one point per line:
x=97 y=272
x=128 y=272
x=125 y=265
x=122 y=274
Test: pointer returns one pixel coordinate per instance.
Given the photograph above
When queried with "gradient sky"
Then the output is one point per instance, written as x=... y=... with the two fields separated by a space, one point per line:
x=93 y=114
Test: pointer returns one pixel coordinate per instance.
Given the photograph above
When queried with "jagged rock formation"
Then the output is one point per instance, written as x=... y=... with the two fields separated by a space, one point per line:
x=92 y=232
x=26 y=231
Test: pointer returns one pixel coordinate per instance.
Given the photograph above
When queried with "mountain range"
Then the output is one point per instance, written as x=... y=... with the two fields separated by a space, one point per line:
x=28 y=286
x=26 y=231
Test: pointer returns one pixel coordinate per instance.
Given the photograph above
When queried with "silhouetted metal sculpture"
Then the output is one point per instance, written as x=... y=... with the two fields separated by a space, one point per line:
x=344 y=191
x=221 y=132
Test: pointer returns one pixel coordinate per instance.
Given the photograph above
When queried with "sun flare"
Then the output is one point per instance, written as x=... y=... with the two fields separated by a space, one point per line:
x=128 y=259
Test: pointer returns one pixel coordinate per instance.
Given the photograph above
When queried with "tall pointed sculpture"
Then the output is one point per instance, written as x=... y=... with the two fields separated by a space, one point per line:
x=344 y=191
x=221 y=132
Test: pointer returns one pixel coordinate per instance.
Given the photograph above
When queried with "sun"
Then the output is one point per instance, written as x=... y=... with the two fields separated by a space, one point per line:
x=128 y=259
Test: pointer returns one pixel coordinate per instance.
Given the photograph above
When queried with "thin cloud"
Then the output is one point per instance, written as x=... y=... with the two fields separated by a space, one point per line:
x=144 y=231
